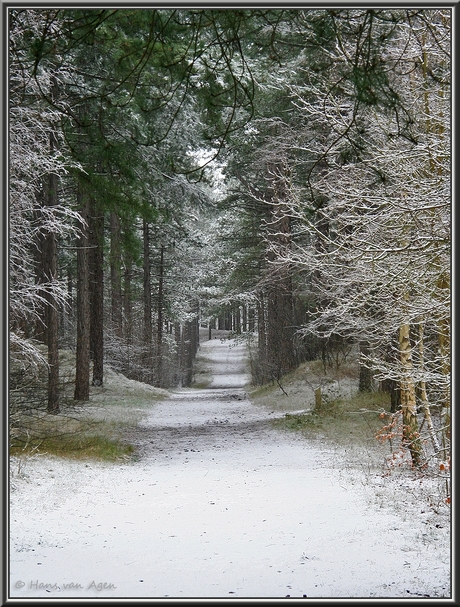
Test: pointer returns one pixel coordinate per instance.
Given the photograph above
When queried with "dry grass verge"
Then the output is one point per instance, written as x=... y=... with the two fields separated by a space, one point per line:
x=346 y=418
x=81 y=430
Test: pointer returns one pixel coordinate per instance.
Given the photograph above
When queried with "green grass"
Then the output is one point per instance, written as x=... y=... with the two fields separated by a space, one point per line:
x=79 y=446
x=71 y=434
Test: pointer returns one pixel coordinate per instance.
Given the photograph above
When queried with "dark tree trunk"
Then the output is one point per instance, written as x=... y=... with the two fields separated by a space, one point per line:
x=96 y=260
x=195 y=331
x=115 y=275
x=159 y=381
x=40 y=325
x=127 y=300
x=147 y=301
x=280 y=307
x=83 y=308
x=187 y=357
x=50 y=272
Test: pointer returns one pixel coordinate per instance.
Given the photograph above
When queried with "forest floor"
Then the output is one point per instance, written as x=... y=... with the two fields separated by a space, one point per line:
x=221 y=500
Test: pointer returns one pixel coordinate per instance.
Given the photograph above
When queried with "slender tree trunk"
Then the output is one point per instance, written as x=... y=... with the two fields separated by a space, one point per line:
x=261 y=366
x=115 y=275
x=50 y=271
x=187 y=356
x=83 y=307
x=444 y=355
x=159 y=381
x=128 y=299
x=147 y=301
x=179 y=349
x=280 y=300
x=411 y=436
x=96 y=260
x=196 y=330
x=423 y=394
x=40 y=326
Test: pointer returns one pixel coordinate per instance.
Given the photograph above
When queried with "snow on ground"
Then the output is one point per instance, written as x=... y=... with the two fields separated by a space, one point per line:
x=220 y=505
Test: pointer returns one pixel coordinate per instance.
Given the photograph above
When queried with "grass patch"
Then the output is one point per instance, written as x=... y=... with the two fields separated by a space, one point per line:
x=341 y=420
x=96 y=429
x=200 y=384
x=346 y=416
x=77 y=447
x=73 y=435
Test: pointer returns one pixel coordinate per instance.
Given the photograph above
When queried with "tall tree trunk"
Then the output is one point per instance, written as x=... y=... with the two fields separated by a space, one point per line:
x=238 y=321
x=96 y=261
x=179 y=349
x=160 y=319
x=50 y=272
x=196 y=330
x=280 y=300
x=251 y=319
x=147 y=301
x=444 y=355
x=260 y=368
x=128 y=299
x=83 y=306
x=115 y=275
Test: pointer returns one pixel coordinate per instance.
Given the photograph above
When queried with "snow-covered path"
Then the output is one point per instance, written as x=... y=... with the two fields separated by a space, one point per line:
x=219 y=505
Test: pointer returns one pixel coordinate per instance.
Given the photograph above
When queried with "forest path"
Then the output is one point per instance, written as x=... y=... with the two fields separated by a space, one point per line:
x=219 y=505
x=218 y=416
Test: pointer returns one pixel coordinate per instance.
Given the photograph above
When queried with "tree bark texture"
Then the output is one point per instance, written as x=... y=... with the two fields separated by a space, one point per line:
x=160 y=319
x=96 y=261
x=147 y=335
x=115 y=275
x=83 y=307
